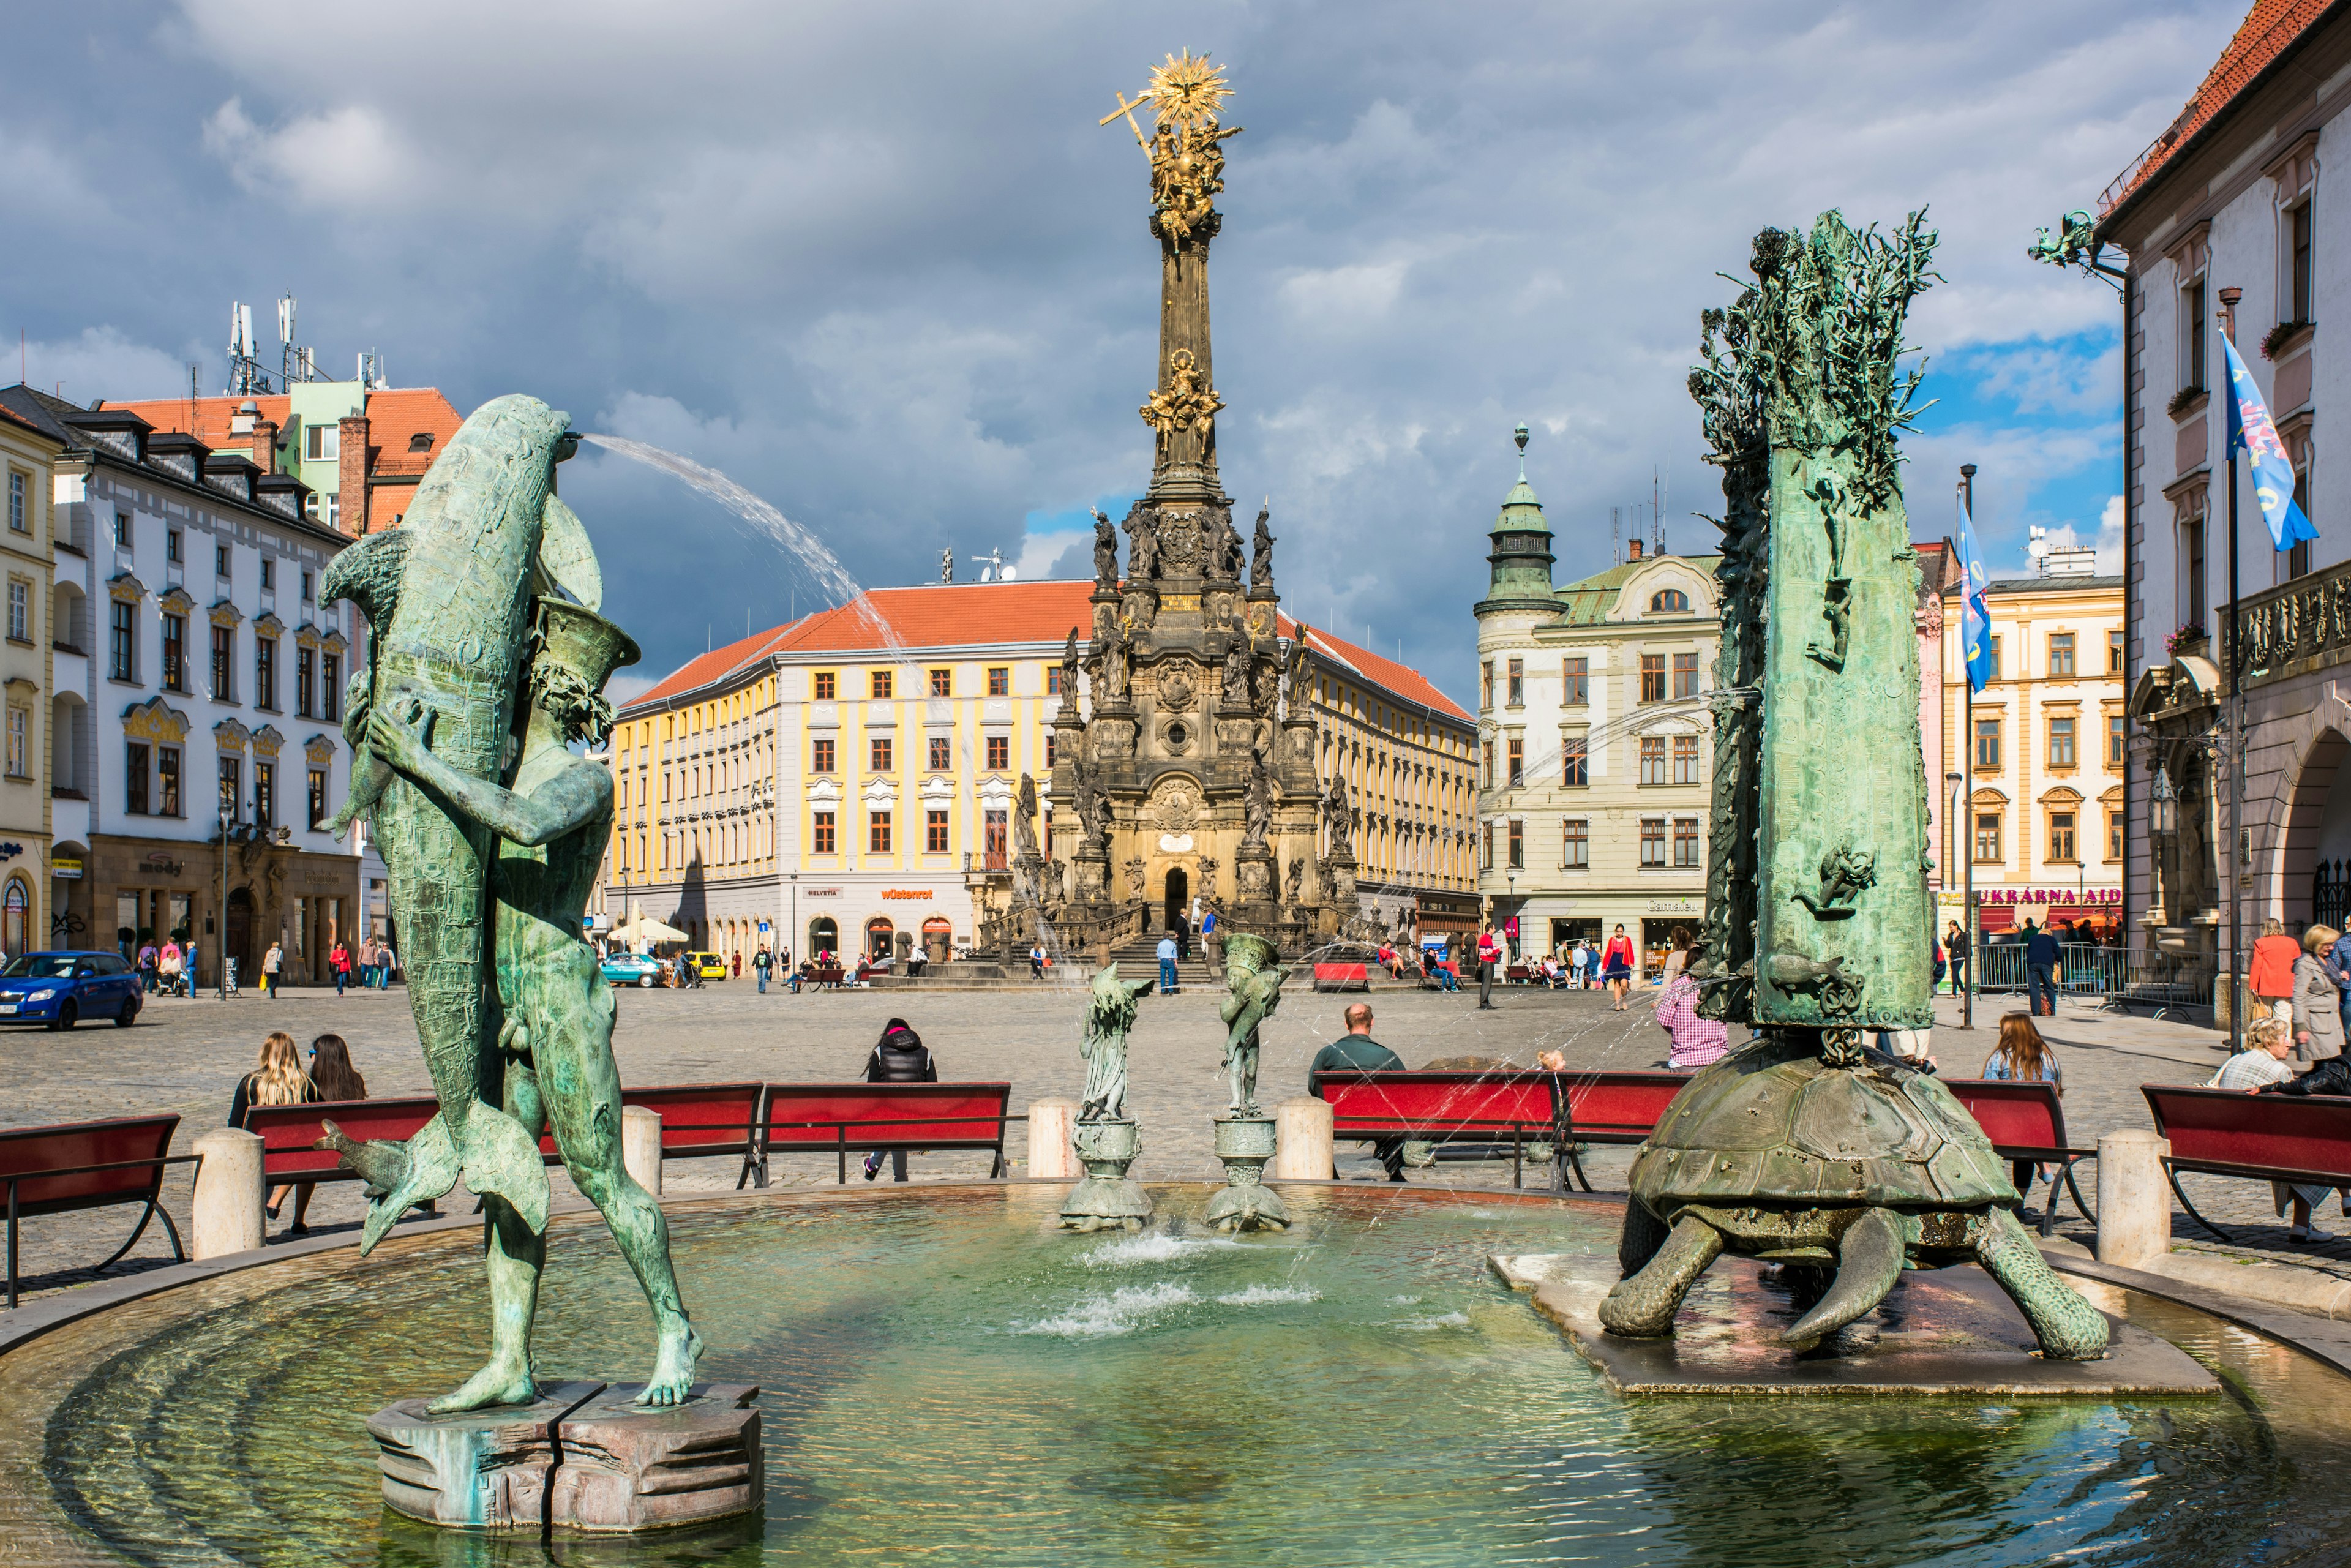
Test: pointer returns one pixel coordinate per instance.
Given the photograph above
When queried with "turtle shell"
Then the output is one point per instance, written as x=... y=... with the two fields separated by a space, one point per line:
x=1774 y=1124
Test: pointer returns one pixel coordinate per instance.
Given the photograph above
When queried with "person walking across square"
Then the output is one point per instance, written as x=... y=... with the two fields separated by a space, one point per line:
x=1490 y=954
x=763 y=963
x=340 y=961
x=271 y=962
x=1616 y=961
x=1168 y=951
x=2042 y=971
x=2270 y=976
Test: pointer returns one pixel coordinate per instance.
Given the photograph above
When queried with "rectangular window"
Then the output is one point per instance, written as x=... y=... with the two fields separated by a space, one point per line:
x=17 y=513
x=1517 y=679
x=1000 y=681
x=1053 y=680
x=878 y=754
x=1053 y=750
x=135 y=778
x=995 y=824
x=306 y=586
x=321 y=442
x=1991 y=647
x=1684 y=840
x=330 y=685
x=1652 y=677
x=2298 y=238
x=1652 y=840
x=123 y=654
x=820 y=756
x=2113 y=652
x=2114 y=835
x=319 y=812
x=1517 y=751
x=220 y=561
x=2192 y=308
x=1577 y=761
x=1517 y=831
x=2061 y=743
x=934 y=831
x=820 y=835
x=231 y=786
x=1576 y=678
x=122 y=530
x=20 y=600
x=224 y=672
x=1488 y=862
x=268 y=574
x=175 y=653
x=167 y=778
x=1488 y=748
x=2061 y=655
x=306 y=681
x=1485 y=685
x=1987 y=746
x=265 y=672
x=265 y=794
x=999 y=753
x=878 y=683
x=943 y=682
x=2191 y=548
x=1685 y=760
x=2061 y=836
x=877 y=832
x=171 y=546
x=1653 y=760
x=1987 y=838
x=942 y=754
x=1684 y=674
x=19 y=723
x=826 y=684
x=1576 y=849
x=2115 y=739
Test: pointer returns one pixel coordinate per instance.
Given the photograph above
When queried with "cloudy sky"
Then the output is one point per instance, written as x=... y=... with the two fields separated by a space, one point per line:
x=877 y=262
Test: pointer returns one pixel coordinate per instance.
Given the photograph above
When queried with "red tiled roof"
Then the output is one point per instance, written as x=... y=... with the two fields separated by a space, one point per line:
x=395 y=416
x=964 y=614
x=2268 y=31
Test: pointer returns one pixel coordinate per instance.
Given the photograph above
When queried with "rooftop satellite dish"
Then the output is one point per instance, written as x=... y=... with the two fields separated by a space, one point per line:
x=1007 y=574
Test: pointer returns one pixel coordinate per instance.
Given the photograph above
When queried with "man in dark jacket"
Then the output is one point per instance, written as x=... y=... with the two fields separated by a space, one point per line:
x=1356 y=1050
x=898 y=1058
x=2041 y=955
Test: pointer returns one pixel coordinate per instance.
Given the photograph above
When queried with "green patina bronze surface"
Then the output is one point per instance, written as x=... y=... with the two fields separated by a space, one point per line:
x=1109 y=1018
x=492 y=592
x=1253 y=976
x=1806 y=1147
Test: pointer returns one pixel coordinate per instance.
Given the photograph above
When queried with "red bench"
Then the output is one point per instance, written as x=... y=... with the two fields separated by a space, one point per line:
x=837 y=1118
x=1342 y=977
x=1614 y=1108
x=2266 y=1137
x=698 y=1120
x=2025 y=1122
x=290 y=1133
x=72 y=1165
x=1452 y=1107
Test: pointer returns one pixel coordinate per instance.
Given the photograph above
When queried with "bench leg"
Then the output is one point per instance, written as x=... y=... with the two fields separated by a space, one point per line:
x=2226 y=1239
x=1518 y=1154
x=137 y=1231
x=2076 y=1191
x=996 y=1165
x=1576 y=1161
x=12 y=1246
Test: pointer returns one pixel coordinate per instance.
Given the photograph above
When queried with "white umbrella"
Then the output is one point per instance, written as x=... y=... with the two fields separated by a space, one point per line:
x=643 y=929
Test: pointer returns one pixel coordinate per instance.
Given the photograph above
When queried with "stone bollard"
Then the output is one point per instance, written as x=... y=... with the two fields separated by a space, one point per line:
x=2134 y=1199
x=640 y=1146
x=1053 y=1154
x=1302 y=1132
x=228 y=1214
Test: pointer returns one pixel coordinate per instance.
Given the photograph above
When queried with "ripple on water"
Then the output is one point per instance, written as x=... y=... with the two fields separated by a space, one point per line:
x=1158 y=1247
x=1122 y=1311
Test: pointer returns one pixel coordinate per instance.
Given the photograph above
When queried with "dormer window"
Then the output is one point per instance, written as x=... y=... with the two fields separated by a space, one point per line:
x=420 y=442
x=1669 y=601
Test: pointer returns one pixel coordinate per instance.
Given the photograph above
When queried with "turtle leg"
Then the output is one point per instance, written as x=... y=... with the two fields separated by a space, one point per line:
x=2068 y=1327
x=1642 y=1306
x=1642 y=1233
x=1869 y=1260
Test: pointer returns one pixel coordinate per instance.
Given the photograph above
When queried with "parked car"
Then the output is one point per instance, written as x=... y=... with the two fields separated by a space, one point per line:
x=633 y=969
x=709 y=965
x=60 y=989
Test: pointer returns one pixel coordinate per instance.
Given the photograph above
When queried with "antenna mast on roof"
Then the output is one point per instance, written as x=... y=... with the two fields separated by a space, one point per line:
x=245 y=376
x=294 y=363
x=372 y=371
x=992 y=568
x=1615 y=534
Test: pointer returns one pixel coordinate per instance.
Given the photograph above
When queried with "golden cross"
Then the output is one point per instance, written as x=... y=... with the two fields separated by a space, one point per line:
x=1128 y=110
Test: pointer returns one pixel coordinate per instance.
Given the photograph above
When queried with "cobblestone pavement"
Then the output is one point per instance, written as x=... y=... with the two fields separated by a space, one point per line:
x=186 y=1056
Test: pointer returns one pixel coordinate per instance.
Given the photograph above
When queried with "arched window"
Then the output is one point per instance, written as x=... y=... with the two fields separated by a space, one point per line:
x=15 y=917
x=1669 y=601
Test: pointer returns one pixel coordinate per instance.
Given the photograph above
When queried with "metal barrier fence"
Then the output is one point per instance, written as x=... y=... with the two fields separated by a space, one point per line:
x=2124 y=976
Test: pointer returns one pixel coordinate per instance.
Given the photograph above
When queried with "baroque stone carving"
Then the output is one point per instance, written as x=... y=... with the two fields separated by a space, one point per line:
x=1261 y=560
x=1175 y=806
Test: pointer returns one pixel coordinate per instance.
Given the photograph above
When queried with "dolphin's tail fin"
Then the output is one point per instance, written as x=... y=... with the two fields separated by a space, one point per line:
x=367 y=574
x=501 y=1157
x=370 y=774
x=398 y=1176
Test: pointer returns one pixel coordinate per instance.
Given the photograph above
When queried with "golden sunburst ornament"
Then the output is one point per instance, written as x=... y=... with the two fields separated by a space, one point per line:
x=1186 y=92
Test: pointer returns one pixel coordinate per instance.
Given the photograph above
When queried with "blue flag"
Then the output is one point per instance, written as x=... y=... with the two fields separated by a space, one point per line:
x=1975 y=618
x=2250 y=432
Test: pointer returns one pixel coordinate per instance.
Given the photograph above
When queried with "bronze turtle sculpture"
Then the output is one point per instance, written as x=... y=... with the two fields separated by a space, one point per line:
x=1774 y=1153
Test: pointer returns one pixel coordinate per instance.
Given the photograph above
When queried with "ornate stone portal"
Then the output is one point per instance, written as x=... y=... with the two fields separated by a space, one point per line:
x=1195 y=755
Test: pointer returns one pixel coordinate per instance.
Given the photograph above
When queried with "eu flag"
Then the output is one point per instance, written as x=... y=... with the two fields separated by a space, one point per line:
x=2250 y=432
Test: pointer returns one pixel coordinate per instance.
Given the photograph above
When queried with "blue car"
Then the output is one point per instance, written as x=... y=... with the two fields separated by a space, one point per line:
x=633 y=969
x=60 y=989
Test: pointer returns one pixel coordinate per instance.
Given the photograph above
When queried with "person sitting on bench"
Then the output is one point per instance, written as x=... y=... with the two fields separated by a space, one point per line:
x=2331 y=1076
x=1357 y=1049
x=898 y=1058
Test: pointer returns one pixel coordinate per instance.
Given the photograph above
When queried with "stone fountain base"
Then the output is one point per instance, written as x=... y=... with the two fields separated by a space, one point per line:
x=1108 y=1198
x=581 y=1458
x=1245 y=1143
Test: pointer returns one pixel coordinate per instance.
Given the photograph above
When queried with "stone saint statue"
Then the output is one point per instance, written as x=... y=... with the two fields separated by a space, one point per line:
x=1337 y=818
x=1236 y=673
x=552 y=1015
x=1230 y=560
x=1024 y=821
x=1295 y=877
x=1070 y=669
x=1257 y=808
x=1106 y=551
x=1261 y=562
x=1142 y=547
x=1293 y=676
x=1110 y=1018
x=1253 y=974
x=1115 y=662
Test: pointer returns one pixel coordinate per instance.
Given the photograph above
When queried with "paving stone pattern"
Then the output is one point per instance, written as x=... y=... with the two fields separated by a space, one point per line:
x=187 y=1056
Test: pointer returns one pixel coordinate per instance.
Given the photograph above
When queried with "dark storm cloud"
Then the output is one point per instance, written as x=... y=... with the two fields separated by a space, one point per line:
x=879 y=264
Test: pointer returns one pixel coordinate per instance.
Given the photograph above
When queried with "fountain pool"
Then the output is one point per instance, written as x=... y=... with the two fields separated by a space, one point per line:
x=948 y=1378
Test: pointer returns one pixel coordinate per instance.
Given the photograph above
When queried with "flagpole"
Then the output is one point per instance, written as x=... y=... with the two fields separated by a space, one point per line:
x=1967 y=823
x=2238 y=981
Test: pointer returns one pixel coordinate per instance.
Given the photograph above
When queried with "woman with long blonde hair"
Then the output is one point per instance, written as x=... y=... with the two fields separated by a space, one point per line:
x=278 y=1079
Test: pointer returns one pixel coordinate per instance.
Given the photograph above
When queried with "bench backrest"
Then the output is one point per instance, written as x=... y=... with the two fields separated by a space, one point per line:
x=2012 y=1114
x=68 y=1144
x=288 y=1132
x=931 y=1115
x=2307 y=1134
x=1437 y=1104
x=697 y=1118
x=1619 y=1107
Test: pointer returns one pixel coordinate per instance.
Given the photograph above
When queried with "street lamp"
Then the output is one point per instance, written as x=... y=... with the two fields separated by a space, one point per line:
x=2162 y=818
